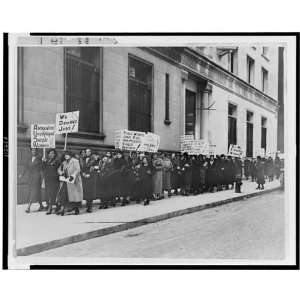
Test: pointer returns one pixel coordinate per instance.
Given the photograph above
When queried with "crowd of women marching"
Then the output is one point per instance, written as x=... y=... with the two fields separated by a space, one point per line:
x=119 y=178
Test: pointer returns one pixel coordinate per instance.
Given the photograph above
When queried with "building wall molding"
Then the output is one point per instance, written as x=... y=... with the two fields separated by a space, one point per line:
x=192 y=61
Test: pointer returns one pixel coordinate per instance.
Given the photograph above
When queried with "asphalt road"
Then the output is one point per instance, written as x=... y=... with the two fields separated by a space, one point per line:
x=250 y=229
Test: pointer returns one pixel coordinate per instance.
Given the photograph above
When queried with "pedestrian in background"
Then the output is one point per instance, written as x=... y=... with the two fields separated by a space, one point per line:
x=253 y=170
x=238 y=170
x=260 y=171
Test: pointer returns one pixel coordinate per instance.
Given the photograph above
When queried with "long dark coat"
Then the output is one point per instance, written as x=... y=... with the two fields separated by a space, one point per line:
x=34 y=179
x=104 y=188
x=211 y=173
x=88 y=178
x=260 y=172
x=145 y=174
x=51 y=179
x=118 y=176
x=229 y=172
x=196 y=173
x=187 y=172
x=176 y=173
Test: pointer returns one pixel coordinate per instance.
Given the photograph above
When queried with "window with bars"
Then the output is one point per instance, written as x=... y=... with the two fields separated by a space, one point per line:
x=82 y=84
x=140 y=94
x=232 y=130
x=249 y=144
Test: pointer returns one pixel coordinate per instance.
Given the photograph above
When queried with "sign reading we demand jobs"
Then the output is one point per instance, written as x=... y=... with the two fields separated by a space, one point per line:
x=42 y=135
x=67 y=122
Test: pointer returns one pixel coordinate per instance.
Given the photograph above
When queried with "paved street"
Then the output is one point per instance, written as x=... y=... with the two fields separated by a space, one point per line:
x=251 y=229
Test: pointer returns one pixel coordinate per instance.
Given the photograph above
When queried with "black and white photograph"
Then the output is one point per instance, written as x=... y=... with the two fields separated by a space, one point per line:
x=152 y=150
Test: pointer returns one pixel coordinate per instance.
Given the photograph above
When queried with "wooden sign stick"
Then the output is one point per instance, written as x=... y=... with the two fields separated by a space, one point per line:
x=66 y=136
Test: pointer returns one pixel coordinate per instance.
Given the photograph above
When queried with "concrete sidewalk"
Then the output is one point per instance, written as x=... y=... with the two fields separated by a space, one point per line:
x=37 y=232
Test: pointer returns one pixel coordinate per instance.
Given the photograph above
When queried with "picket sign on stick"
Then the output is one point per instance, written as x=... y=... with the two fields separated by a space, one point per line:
x=67 y=122
x=44 y=153
x=66 y=137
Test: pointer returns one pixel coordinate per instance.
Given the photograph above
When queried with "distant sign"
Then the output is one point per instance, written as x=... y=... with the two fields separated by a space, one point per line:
x=42 y=135
x=186 y=143
x=67 y=122
x=193 y=147
x=150 y=142
x=136 y=141
x=235 y=150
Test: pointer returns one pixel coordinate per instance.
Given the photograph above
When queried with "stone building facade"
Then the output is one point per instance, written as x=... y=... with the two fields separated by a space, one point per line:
x=224 y=95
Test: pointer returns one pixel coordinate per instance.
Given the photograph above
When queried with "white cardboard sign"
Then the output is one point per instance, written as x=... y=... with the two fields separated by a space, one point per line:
x=67 y=122
x=42 y=135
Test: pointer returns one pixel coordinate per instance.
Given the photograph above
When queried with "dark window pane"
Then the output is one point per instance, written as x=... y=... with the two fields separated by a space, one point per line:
x=190 y=112
x=82 y=86
x=140 y=95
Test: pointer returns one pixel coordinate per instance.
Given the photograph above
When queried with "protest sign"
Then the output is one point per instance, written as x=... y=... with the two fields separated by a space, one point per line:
x=42 y=135
x=136 y=141
x=67 y=122
x=186 y=143
x=132 y=140
x=199 y=147
x=235 y=150
x=150 y=142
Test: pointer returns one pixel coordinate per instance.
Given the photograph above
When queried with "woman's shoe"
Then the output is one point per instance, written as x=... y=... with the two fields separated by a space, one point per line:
x=77 y=211
x=62 y=212
x=49 y=211
x=27 y=210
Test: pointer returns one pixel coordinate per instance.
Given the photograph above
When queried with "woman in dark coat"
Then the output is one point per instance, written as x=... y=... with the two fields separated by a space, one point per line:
x=50 y=166
x=104 y=183
x=33 y=170
x=229 y=172
x=176 y=173
x=211 y=174
x=253 y=171
x=202 y=170
x=119 y=167
x=260 y=170
x=88 y=179
x=187 y=175
x=145 y=174
x=195 y=174
x=238 y=170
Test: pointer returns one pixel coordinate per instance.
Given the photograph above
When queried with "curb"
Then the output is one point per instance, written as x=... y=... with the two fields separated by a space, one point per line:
x=133 y=224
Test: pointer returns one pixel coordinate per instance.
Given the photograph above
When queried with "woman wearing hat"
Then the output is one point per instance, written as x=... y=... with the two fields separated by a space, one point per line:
x=71 y=186
x=33 y=172
x=50 y=166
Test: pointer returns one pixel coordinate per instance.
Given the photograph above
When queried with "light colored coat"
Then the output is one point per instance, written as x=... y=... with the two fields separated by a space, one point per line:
x=75 y=191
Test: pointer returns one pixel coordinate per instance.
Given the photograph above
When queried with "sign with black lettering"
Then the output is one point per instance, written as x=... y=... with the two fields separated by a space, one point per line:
x=67 y=122
x=42 y=136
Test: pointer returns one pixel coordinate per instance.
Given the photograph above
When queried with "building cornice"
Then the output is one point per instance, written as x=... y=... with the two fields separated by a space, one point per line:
x=190 y=60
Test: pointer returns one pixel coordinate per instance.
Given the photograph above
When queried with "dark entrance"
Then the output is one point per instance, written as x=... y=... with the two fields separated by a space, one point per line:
x=190 y=112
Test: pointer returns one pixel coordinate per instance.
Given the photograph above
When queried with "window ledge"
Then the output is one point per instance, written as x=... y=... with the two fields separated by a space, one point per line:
x=88 y=135
x=22 y=127
x=167 y=122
